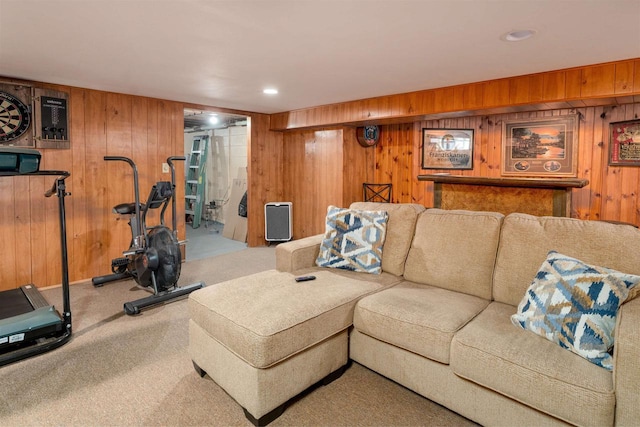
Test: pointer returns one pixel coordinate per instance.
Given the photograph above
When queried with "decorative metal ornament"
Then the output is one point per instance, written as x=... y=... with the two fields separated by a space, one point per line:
x=368 y=135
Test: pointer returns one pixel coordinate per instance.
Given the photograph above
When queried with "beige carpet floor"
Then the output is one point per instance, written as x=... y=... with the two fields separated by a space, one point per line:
x=120 y=370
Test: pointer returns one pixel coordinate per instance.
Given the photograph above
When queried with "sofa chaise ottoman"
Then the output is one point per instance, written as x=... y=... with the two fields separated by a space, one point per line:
x=266 y=338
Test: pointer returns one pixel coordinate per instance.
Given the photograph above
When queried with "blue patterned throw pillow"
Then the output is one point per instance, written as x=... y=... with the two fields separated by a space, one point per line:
x=575 y=305
x=353 y=240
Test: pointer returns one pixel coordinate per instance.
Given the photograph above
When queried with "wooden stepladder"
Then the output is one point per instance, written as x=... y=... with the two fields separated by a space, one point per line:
x=196 y=179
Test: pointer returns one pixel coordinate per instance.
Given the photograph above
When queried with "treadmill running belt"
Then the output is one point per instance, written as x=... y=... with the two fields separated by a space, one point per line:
x=13 y=302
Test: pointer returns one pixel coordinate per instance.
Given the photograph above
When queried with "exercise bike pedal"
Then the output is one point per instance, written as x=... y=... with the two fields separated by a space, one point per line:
x=117 y=262
x=119 y=265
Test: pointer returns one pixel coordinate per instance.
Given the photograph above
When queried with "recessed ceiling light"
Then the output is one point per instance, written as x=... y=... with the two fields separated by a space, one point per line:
x=214 y=119
x=270 y=91
x=518 y=35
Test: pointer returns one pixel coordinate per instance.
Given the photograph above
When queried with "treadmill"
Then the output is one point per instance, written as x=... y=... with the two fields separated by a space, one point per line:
x=29 y=325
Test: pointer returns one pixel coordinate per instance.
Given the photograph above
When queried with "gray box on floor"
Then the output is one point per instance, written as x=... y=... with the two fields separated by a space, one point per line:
x=277 y=223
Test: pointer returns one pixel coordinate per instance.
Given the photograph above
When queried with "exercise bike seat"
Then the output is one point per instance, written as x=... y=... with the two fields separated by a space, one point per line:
x=127 y=208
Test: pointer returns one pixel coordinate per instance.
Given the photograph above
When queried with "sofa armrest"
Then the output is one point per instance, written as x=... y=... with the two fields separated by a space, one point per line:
x=627 y=364
x=298 y=254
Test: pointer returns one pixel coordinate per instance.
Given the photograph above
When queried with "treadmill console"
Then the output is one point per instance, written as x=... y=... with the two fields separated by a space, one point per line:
x=14 y=161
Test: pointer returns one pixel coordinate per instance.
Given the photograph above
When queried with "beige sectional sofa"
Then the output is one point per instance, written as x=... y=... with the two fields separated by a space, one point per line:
x=436 y=320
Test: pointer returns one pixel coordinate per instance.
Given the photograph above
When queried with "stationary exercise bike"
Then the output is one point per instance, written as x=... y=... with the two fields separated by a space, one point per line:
x=153 y=259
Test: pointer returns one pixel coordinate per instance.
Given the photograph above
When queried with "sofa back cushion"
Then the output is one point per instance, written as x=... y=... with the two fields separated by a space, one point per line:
x=525 y=241
x=401 y=225
x=456 y=250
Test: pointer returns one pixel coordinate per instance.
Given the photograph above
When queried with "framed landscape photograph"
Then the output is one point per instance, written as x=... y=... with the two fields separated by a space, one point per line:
x=447 y=148
x=540 y=147
x=624 y=145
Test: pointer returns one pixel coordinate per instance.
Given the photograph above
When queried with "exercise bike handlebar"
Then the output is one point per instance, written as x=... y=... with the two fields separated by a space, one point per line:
x=172 y=158
x=138 y=231
x=122 y=159
x=173 y=190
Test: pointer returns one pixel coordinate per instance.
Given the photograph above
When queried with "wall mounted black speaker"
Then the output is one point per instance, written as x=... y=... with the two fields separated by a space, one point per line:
x=277 y=221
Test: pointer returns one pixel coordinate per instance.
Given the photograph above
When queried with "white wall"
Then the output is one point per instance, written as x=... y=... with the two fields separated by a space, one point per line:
x=227 y=154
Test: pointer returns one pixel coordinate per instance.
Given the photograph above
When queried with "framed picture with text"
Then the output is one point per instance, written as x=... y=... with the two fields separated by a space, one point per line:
x=447 y=148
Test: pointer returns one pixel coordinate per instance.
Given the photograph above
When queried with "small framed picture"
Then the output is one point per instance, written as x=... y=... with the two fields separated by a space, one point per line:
x=447 y=148
x=624 y=146
x=541 y=147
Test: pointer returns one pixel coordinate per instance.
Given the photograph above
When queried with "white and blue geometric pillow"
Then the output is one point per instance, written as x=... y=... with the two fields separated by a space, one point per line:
x=353 y=240
x=575 y=305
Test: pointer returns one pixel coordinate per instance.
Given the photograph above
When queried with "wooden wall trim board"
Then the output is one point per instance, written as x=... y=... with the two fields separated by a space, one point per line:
x=311 y=167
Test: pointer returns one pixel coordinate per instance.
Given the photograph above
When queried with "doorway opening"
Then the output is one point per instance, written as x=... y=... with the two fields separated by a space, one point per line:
x=216 y=149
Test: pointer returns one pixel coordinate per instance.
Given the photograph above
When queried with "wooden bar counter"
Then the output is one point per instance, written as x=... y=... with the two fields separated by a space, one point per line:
x=535 y=196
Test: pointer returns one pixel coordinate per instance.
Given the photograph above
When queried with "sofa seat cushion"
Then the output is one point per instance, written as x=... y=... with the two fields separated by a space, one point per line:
x=416 y=317
x=383 y=280
x=267 y=317
x=492 y=352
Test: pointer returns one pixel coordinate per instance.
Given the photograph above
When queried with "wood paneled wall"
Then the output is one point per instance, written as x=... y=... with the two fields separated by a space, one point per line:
x=146 y=130
x=358 y=167
x=612 y=193
x=265 y=175
x=311 y=169
x=322 y=168
x=313 y=177
x=313 y=181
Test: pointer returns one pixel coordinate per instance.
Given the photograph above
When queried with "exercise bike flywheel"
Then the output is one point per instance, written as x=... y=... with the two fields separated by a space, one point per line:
x=162 y=256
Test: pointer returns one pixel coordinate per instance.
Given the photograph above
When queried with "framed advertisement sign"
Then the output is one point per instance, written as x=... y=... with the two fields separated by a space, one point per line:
x=624 y=146
x=447 y=148
x=545 y=146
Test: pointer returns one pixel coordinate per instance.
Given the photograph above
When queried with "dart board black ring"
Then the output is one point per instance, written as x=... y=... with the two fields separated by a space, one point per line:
x=15 y=117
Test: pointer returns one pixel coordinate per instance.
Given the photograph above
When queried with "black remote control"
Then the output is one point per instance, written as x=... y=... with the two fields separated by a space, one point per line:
x=305 y=278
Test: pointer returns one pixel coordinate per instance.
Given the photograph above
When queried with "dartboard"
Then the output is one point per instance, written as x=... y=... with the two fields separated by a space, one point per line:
x=14 y=117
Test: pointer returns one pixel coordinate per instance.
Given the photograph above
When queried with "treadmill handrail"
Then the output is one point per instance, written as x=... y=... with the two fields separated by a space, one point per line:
x=64 y=174
x=59 y=189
